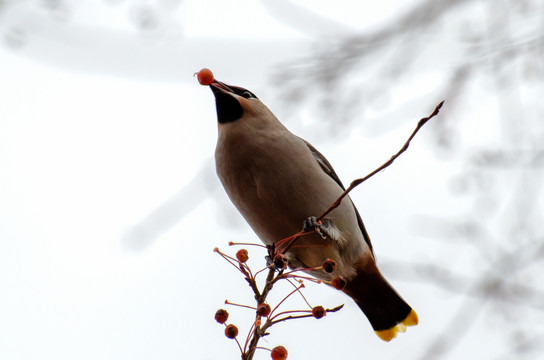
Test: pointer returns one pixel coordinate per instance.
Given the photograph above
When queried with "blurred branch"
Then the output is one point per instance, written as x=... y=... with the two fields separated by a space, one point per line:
x=304 y=19
x=493 y=285
x=527 y=346
x=169 y=213
x=490 y=286
x=364 y=69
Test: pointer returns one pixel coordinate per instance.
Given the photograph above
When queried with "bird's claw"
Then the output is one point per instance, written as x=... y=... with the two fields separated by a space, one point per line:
x=312 y=224
x=269 y=260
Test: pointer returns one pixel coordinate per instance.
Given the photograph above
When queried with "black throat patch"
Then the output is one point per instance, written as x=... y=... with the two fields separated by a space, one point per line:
x=228 y=108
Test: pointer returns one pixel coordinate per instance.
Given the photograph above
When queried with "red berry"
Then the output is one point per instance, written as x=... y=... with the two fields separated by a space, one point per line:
x=263 y=309
x=279 y=353
x=329 y=265
x=318 y=312
x=339 y=283
x=242 y=255
x=231 y=331
x=204 y=76
x=221 y=316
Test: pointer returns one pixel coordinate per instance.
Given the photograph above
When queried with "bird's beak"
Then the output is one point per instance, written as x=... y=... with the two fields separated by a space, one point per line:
x=228 y=106
x=219 y=87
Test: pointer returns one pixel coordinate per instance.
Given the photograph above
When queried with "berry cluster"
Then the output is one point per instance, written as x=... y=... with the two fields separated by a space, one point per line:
x=265 y=314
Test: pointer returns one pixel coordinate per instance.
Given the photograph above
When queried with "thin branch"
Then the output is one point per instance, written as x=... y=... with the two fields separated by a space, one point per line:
x=272 y=322
x=270 y=280
x=359 y=181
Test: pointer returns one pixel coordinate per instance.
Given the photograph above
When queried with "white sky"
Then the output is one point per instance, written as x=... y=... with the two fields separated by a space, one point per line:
x=87 y=151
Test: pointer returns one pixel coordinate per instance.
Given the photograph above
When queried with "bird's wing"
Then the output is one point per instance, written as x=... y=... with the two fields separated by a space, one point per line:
x=328 y=169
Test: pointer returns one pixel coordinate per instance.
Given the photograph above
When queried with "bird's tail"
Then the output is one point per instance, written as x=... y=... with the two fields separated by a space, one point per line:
x=387 y=312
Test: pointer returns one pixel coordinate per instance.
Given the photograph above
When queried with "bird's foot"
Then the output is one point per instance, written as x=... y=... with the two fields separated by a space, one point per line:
x=269 y=260
x=312 y=224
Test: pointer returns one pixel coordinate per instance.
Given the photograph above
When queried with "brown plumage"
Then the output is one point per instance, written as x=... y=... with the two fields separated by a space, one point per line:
x=277 y=180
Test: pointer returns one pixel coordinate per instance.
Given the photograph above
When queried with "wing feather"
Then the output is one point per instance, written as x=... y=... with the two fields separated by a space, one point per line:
x=328 y=169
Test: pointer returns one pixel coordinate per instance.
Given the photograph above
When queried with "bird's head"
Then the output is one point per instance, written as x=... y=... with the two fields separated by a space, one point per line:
x=234 y=103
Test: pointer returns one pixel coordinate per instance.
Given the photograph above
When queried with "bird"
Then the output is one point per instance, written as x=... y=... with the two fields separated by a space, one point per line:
x=279 y=182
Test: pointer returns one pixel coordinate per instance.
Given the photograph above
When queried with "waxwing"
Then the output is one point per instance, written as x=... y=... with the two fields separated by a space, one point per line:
x=279 y=182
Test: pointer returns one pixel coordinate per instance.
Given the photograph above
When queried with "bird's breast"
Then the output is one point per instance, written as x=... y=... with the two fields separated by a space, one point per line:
x=274 y=181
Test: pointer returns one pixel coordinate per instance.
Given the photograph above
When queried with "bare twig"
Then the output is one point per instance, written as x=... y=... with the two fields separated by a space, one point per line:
x=275 y=321
x=263 y=321
x=359 y=181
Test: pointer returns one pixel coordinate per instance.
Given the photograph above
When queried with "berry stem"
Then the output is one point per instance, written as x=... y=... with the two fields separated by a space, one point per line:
x=301 y=294
x=232 y=243
x=240 y=305
x=287 y=296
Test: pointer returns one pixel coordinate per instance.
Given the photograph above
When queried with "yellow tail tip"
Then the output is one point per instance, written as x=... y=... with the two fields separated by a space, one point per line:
x=387 y=335
x=391 y=333
x=411 y=319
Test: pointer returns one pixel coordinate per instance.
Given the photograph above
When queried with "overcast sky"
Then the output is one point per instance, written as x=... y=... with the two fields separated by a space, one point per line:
x=110 y=207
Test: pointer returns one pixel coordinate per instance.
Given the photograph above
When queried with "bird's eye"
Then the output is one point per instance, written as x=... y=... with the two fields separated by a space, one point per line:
x=247 y=94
